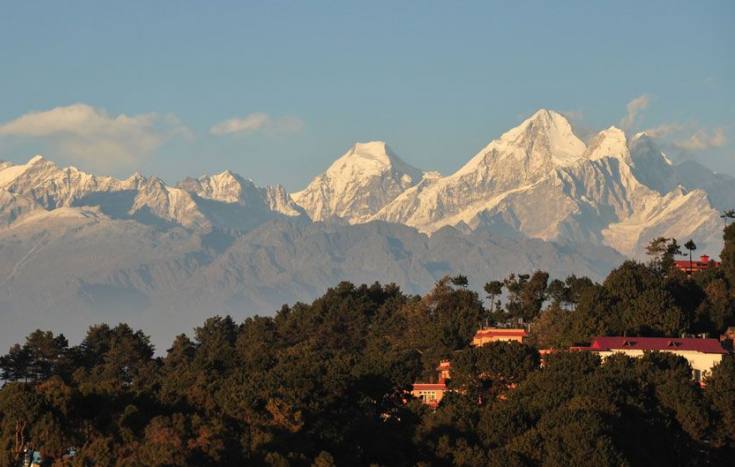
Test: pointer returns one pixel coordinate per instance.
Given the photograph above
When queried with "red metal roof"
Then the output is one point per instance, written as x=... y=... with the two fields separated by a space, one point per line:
x=695 y=263
x=703 y=263
x=656 y=343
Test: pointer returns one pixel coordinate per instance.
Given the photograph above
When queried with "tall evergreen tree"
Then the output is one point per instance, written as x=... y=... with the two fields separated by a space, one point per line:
x=727 y=257
x=691 y=246
x=15 y=365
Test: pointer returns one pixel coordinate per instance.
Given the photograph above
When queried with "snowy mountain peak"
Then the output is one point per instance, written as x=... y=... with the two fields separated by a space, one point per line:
x=541 y=122
x=609 y=143
x=224 y=186
x=547 y=133
x=227 y=173
x=358 y=184
x=136 y=177
x=37 y=159
x=37 y=168
x=540 y=143
x=372 y=150
x=230 y=188
x=546 y=118
x=372 y=157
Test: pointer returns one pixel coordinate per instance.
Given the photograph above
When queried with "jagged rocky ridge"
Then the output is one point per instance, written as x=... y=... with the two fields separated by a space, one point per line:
x=77 y=248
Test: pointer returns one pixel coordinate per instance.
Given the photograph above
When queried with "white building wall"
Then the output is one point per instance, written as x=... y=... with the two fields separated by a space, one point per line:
x=702 y=362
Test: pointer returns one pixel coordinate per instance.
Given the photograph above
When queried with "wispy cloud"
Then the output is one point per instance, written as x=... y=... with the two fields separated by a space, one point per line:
x=666 y=129
x=685 y=141
x=576 y=115
x=634 y=108
x=256 y=122
x=682 y=138
x=91 y=135
x=702 y=140
x=581 y=128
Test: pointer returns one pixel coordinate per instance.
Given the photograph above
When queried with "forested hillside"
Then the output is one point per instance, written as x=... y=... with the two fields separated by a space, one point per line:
x=327 y=383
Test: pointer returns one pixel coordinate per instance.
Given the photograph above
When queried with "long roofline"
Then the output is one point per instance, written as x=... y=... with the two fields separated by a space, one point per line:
x=608 y=343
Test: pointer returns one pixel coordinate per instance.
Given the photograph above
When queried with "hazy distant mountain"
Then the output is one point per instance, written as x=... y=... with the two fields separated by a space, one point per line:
x=77 y=248
x=69 y=267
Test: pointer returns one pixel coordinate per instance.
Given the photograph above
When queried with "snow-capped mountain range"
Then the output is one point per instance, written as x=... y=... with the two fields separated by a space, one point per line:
x=538 y=179
x=77 y=248
x=40 y=184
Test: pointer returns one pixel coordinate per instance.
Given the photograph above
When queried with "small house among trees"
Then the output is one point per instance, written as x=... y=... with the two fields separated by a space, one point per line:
x=432 y=393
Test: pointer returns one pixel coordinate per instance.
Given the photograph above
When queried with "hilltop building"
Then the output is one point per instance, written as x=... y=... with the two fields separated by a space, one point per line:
x=432 y=393
x=702 y=264
x=702 y=354
x=488 y=335
x=429 y=393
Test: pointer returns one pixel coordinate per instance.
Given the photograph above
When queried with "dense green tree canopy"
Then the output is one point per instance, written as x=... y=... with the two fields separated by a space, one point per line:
x=328 y=383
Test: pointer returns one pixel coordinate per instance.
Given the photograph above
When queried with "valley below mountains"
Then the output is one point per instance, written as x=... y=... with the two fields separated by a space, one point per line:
x=78 y=248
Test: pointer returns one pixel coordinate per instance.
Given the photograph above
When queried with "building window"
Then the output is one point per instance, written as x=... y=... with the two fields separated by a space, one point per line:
x=697 y=375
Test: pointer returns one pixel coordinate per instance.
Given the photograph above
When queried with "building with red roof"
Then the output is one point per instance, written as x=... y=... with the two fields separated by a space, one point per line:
x=432 y=393
x=702 y=264
x=701 y=353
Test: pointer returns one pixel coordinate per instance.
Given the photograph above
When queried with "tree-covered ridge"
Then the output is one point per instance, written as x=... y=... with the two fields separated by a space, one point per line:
x=327 y=383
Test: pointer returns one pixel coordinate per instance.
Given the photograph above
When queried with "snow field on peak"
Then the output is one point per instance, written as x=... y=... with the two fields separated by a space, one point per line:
x=538 y=178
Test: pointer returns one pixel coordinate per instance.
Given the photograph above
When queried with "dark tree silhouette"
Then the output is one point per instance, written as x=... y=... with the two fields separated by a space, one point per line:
x=328 y=383
x=493 y=289
x=727 y=215
x=691 y=246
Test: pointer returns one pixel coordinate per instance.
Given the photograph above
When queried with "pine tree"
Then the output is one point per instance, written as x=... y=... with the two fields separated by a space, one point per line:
x=15 y=365
x=691 y=246
x=727 y=257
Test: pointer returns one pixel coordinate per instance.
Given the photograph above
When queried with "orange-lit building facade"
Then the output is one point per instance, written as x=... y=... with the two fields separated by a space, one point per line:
x=432 y=393
x=429 y=393
x=443 y=369
x=488 y=335
x=702 y=264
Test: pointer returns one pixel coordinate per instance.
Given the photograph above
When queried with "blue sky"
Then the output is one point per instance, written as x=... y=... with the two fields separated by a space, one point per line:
x=304 y=80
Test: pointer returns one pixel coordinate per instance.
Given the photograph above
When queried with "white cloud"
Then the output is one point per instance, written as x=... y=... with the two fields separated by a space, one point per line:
x=634 y=107
x=702 y=140
x=247 y=124
x=689 y=136
x=580 y=127
x=255 y=122
x=665 y=129
x=576 y=115
x=93 y=136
